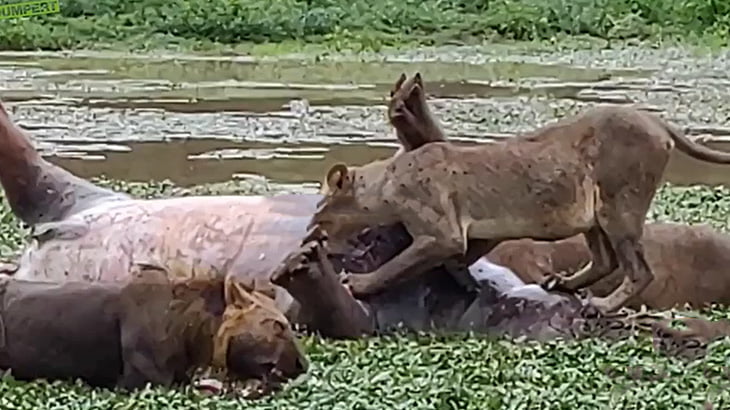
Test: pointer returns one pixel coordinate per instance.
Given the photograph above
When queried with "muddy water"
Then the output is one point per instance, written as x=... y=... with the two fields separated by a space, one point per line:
x=199 y=120
x=200 y=161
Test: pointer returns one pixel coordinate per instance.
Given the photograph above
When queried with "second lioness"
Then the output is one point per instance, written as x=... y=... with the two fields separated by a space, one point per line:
x=144 y=331
x=594 y=174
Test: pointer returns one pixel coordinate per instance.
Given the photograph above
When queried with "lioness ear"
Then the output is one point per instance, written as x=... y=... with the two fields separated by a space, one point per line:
x=237 y=295
x=279 y=327
x=228 y=292
x=337 y=176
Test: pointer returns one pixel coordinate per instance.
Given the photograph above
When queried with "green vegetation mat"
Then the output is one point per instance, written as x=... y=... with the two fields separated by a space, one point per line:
x=443 y=372
x=361 y=23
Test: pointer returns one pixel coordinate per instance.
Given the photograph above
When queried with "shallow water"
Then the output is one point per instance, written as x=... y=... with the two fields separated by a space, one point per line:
x=199 y=120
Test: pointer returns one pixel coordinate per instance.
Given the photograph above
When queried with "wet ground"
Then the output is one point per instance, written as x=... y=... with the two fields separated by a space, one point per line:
x=200 y=120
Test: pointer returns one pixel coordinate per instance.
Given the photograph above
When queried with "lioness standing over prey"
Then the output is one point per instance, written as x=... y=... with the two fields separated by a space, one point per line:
x=594 y=174
x=129 y=334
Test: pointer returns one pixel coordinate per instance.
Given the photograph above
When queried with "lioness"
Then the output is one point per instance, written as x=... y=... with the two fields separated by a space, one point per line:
x=687 y=260
x=594 y=174
x=151 y=331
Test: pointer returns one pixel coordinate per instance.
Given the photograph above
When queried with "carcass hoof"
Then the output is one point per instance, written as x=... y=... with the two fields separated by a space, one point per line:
x=295 y=263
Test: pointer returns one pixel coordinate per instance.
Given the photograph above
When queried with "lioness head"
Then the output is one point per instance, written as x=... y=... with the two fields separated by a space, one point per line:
x=339 y=213
x=255 y=340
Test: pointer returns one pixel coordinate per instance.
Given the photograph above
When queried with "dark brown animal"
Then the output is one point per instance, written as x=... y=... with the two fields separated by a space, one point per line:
x=689 y=263
x=145 y=331
x=687 y=260
x=594 y=174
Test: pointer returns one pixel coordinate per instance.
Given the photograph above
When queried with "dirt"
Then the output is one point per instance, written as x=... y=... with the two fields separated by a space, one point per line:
x=209 y=119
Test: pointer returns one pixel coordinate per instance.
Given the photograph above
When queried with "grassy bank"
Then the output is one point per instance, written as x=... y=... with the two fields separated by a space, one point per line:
x=357 y=23
x=430 y=372
x=436 y=373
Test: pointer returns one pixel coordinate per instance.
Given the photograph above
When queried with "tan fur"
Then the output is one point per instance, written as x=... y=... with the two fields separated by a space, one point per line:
x=250 y=322
x=689 y=263
x=594 y=174
x=150 y=329
x=252 y=310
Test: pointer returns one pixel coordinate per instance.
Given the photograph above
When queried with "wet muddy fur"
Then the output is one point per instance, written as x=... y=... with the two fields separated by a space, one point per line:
x=48 y=336
x=128 y=335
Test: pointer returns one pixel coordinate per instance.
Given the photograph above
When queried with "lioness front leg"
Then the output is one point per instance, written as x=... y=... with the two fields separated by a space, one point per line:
x=424 y=253
x=433 y=243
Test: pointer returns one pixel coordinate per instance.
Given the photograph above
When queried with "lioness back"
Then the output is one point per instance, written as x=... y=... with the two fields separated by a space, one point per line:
x=526 y=188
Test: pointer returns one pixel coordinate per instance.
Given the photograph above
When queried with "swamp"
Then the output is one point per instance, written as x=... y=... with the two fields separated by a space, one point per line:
x=265 y=106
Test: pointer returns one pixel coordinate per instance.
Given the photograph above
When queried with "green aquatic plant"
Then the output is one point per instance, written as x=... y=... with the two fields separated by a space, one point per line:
x=359 y=23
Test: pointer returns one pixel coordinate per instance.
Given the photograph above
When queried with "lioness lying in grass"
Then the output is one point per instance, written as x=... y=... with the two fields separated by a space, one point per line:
x=145 y=331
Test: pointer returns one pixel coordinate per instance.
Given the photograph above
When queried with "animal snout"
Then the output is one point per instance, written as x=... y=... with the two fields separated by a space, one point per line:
x=294 y=362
